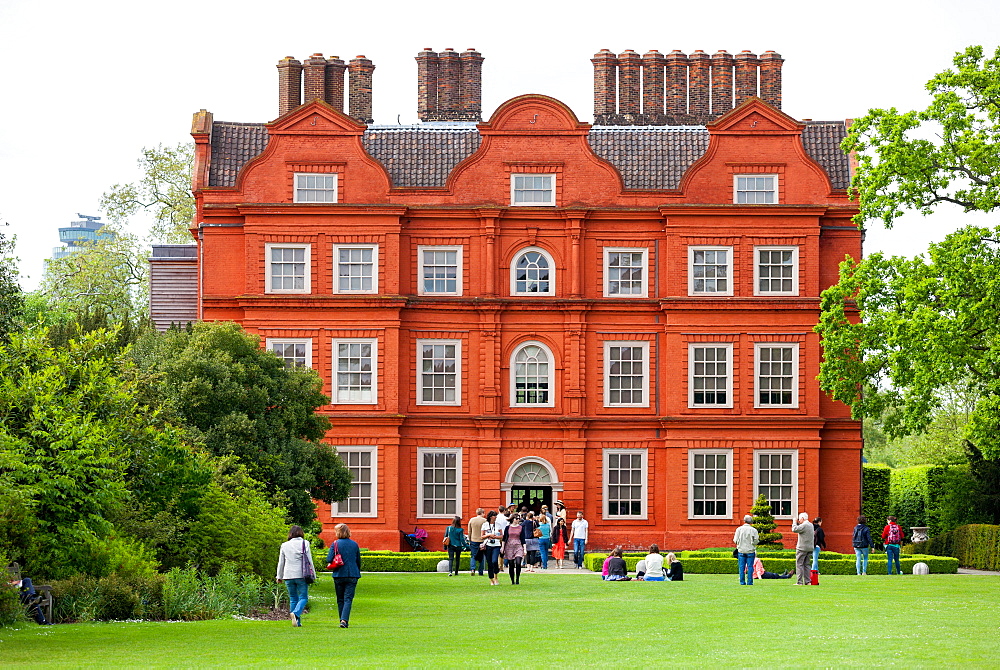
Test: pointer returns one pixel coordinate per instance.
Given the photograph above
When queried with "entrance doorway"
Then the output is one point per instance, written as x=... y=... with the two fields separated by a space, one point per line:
x=532 y=497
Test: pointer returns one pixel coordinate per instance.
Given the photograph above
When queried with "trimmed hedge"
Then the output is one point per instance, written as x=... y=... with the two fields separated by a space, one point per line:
x=973 y=546
x=704 y=563
x=875 y=488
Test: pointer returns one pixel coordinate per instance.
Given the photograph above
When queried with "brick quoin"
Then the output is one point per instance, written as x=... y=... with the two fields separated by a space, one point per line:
x=594 y=211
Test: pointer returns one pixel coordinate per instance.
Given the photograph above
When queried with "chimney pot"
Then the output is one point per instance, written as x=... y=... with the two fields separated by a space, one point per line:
x=629 y=74
x=427 y=82
x=360 y=88
x=605 y=86
x=770 y=78
x=289 y=85
x=334 y=95
x=448 y=93
x=314 y=71
x=699 y=92
x=722 y=82
x=677 y=83
x=746 y=76
x=470 y=86
x=653 y=64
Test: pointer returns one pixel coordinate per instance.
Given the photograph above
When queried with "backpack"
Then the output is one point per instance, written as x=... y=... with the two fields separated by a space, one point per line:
x=895 y=534
x=859 y=541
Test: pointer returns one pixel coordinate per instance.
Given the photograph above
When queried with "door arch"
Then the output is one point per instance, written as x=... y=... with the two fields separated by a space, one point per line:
x=531 y=481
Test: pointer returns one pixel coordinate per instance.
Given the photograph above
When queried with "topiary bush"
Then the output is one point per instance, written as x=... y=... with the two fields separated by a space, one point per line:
x=763 y=521
x=875 y=486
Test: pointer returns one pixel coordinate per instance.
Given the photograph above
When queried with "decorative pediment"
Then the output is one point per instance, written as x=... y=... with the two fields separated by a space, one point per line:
x=530 y=114
x=755 y=116
x=315 y=118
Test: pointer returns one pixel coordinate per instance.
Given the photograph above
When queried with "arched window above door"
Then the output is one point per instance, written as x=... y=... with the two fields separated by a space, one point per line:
x=531 y=472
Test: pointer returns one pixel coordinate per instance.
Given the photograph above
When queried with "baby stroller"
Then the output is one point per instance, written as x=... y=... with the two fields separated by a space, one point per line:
x=416 y=539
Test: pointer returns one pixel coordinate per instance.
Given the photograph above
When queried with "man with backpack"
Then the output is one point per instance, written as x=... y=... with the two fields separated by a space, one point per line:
x=892 y=536
x=862 y=541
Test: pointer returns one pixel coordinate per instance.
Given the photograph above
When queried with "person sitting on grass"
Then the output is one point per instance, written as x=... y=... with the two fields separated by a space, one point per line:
x=640 y=570
x=617 y=570
x=675 y=570
x=760 y=573
x=654 y=565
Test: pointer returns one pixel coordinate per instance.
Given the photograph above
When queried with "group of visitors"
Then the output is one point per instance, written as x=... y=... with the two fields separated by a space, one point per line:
x=295 y=569
x=811 y=540
x=523 y=540
x=649 y=569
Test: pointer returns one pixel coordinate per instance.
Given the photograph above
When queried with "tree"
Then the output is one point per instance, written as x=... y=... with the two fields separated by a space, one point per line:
x=763 y=521
x=11 y=297
x=926 y=324
x=164 y=191
x=242 y=401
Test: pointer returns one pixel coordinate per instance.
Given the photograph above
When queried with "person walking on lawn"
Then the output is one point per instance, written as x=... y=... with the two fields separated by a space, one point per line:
x=475 y=539
x=345 y=578
x=862 y=541
x=578 y=535
x=803 y=549
x=454 y=540
x=746 y=539
x=892 y=536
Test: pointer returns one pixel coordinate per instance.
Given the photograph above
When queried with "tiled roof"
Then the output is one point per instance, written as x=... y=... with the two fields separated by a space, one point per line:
x=822 y=142
x=233 y=146
x=648 y=157
x=418 y=156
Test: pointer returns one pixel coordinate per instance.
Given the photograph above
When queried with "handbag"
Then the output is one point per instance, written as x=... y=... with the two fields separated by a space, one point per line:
x=337 y=560
x=538 y=532
x=447 y=541
x=308 y=571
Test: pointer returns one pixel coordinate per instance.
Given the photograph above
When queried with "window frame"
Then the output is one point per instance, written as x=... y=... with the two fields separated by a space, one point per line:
x=513 y=191
x=745 y=175
x=420 y=343
x=335 y=361
x=459 y=275
x=794 y=248
x=513 y=273
x=335 y=190
x=336 y=269
x=641 y=344
x=268 y=342
x=794 y=483
x=269 y=277
x=605 y=484
x=420 y=481
x=373 y=450
x=729 y=374
x=730 y=264
x=796 y=374
x=728 y=453
x=512 y=377
x=644 y=293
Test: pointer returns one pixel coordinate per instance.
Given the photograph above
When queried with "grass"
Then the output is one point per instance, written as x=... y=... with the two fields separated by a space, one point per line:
x=431 y=620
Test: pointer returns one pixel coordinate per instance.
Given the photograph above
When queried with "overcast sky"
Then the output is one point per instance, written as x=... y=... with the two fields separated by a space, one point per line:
x=88 y=84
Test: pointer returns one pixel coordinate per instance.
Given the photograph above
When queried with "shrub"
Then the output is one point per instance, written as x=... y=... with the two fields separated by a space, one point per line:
x=190 y=596
x=75 y=599
x=763 y=521
x=973 y=546
x=875 y=487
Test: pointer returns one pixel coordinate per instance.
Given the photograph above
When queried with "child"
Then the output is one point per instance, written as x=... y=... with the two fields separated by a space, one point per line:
x=675 y=571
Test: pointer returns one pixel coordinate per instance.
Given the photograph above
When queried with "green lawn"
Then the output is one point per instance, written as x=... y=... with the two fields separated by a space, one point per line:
x=431 y=620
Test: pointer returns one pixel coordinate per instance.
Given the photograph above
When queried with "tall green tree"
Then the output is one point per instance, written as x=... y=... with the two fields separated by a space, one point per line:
x=11 y=297
x=242 y=401
x=163 y=191
x=930 y=323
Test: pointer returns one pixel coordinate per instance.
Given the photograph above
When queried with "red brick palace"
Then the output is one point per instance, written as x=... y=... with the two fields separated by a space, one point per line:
x=616 y=314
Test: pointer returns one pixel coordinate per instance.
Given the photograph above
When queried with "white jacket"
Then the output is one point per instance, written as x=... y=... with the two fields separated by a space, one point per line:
x=290 y=559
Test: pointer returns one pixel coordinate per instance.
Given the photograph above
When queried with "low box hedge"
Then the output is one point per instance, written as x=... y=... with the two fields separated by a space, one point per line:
x=973 y=546
x=697 y=563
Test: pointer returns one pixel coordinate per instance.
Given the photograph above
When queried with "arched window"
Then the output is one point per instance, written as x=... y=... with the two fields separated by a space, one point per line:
x=531 y=378
x=532 y=273
x=530 y=473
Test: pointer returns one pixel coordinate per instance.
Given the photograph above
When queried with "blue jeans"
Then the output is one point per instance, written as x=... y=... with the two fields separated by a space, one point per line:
x=861 y=559
x=345 y=595
x=579 y=549
x=816 y=551
x=746 y=567
x=492 y=556
x=544 y=544
x=472 y=558
x=298 y=595
x=892 y=554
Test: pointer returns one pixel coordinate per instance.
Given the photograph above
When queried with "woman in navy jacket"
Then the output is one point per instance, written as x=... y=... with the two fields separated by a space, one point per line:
x=345 y=578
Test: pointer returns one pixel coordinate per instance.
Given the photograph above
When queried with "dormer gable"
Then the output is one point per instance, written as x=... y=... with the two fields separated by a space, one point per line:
x=315 y=118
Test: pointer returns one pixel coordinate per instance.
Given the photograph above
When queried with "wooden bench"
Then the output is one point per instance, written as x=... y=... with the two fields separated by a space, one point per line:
x=42 y=590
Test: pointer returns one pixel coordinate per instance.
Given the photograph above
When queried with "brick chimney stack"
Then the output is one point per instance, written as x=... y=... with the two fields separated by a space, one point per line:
x=746 y=76
x=289 y=85
x=629 y=84
x=677 y=83
x=450 y=85
x=360 y=88
x=653 y=64
x=334 y=92
x=770 y=78
x=314 y=70
x=605 y=86
x=471 y=88
x=722 y=82
x=699 y=104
